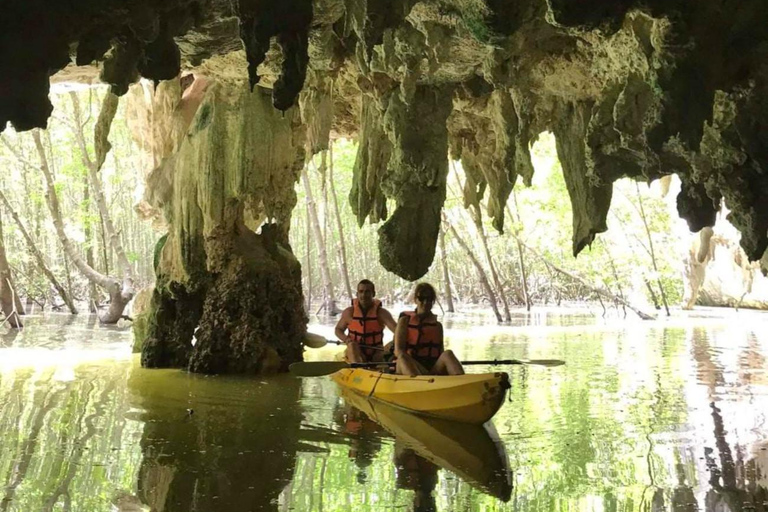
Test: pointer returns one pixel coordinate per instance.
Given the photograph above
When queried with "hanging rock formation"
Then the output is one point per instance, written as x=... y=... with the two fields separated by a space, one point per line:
x=640 y=89
x=629 y=88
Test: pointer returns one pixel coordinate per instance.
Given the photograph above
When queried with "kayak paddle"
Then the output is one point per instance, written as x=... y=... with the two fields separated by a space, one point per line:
x=313 y=340
x=319 y=368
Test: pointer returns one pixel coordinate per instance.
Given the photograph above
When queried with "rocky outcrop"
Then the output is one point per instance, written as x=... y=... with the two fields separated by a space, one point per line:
x=235 y=291
x=717 y=273
x=134 y=38
x=639 y=89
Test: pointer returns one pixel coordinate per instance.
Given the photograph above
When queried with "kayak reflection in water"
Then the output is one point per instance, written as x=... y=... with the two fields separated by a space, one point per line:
x=419 y=339
x=417 y=474
x=473 y=453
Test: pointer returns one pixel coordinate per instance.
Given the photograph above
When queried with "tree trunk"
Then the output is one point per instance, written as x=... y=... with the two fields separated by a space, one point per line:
x=653 y=294
x=481 y=275
x=496 y=281
x=118 y=297
x=68 y=274
x=323 y=175
x=329 y=301
x=9 y=301
x=615 y=275
x=38 y=255
x=93 y=297
x=446 y=274
x=342 y=244
x=521 y=253
x=309 y=263
x=102 y=147
x=104 y=245
x=650 y=247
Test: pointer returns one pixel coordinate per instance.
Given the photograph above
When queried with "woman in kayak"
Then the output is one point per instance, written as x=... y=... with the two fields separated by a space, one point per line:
x=419 y=339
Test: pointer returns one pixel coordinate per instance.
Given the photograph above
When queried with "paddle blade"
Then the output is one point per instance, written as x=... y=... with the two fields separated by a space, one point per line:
x=313 y=340
x=317 y=368
x=545 y=362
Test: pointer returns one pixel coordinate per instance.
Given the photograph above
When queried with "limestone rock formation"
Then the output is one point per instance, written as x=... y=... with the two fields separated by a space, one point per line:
x=630 y=88
x=717 y=273
x=633 y=88
x=238 y=292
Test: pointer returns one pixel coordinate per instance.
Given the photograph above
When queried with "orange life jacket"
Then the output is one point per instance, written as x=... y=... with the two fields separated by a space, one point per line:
x=366 y=329
x=424 y=343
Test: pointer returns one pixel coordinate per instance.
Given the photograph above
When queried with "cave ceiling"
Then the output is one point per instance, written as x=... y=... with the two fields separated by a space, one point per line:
x=630 y=89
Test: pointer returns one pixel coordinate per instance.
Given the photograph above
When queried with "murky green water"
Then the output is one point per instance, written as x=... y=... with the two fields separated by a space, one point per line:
x=645 y=416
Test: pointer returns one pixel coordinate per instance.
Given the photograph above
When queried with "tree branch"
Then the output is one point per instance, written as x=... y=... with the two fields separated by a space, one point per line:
x=18 y=154
x=583 y=282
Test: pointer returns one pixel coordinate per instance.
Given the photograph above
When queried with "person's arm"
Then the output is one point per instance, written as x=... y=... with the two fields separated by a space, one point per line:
x=341 y=326
x=440 y=338
x=401 y=336
x=385 y=317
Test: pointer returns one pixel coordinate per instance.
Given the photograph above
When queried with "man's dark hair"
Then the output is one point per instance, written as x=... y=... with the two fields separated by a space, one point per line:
x=367 y=282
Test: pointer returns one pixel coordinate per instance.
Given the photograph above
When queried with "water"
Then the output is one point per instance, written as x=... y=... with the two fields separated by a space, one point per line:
x=667 y=415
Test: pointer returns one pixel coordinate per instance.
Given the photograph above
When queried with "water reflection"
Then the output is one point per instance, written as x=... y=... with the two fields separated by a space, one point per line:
x=64 y=442
x=214 y=443
x=365 y=437
x=735 y=485
x=417 y=474
x=473 y=453
x=645 y=416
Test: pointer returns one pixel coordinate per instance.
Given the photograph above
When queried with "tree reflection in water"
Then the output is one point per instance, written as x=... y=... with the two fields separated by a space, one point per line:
x=735 y=486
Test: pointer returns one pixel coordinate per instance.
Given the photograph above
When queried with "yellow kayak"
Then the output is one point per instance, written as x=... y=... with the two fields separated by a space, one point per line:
x=473 y=453
x=471 y=398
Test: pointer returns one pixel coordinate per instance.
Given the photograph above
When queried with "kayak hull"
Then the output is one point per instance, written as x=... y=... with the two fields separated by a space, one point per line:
x=472 y=398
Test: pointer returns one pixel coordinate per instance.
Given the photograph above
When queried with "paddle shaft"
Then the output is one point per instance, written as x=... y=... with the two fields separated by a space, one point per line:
x=464 y=363
x=318 y=368
x=481 y=361
x=367 y=347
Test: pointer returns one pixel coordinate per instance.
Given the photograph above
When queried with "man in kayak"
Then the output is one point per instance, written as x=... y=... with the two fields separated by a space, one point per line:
x=362 y=324
x=419 y=339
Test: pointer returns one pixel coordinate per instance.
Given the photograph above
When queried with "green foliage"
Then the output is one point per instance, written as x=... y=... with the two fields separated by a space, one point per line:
x=475 y=24
x=473 y=15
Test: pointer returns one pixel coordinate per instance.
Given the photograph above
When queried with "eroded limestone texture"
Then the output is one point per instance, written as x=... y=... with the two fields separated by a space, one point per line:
x=236 y=290
x=418 y=164
x=630 y=88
